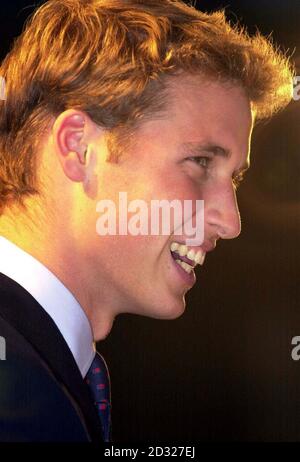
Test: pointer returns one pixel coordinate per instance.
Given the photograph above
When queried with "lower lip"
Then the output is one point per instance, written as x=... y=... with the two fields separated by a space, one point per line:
x=188 y=278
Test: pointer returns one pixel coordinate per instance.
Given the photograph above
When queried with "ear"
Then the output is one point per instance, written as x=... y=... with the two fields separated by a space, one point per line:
x=70 y=142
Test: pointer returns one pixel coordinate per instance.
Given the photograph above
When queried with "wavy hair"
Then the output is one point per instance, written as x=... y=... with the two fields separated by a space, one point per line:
x=112 y=59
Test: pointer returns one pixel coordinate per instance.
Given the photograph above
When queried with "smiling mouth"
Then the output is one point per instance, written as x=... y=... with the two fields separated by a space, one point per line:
x=186 y=257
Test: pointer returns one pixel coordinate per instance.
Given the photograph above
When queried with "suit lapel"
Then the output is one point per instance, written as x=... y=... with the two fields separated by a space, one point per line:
x=26 y=315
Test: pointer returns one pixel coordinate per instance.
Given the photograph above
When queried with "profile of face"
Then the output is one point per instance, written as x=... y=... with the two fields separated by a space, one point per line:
x=194 y=153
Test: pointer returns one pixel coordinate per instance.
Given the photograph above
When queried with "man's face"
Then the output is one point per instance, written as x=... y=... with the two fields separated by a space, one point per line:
x=192 y=154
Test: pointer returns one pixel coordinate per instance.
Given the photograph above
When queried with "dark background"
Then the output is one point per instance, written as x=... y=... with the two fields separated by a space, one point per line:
x=223 y=371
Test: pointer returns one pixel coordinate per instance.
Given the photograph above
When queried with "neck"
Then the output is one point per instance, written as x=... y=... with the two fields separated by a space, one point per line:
x=52 y=248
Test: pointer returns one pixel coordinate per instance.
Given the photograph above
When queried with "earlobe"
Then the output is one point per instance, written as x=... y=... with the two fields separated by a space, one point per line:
x=73 y=168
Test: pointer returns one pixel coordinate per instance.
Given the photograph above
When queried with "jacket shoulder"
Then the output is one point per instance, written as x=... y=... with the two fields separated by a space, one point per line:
x=34 y=406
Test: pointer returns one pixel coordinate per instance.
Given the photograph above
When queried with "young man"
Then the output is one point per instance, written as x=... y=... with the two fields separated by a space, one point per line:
x=151 y=98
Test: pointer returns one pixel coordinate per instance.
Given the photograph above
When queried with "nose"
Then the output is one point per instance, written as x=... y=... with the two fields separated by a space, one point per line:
x=222 y=213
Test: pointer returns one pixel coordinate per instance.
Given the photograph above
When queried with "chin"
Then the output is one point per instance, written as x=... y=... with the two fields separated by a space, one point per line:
x=167 y=311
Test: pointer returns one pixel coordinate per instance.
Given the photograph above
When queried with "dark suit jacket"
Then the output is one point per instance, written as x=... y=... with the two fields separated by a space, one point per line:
x=42 y=394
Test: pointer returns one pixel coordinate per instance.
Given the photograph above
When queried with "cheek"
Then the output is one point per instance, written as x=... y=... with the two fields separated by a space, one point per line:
x=125 y=253
x=172 y=186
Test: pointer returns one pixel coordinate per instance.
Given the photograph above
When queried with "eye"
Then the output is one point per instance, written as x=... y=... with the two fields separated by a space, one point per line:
x=202 y=161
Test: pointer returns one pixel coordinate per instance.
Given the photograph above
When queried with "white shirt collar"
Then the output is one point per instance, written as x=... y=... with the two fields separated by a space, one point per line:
x=54 y=297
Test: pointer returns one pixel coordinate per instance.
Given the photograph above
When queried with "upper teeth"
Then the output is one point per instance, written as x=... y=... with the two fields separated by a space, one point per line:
x=183 y=251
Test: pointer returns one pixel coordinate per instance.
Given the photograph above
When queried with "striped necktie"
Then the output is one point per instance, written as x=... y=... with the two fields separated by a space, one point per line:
x=98 y=381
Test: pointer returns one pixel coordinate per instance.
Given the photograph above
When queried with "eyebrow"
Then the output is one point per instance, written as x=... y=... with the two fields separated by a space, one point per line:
x=216 y=150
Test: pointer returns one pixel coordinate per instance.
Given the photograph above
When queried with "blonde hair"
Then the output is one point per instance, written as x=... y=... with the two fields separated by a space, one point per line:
x=111 y=59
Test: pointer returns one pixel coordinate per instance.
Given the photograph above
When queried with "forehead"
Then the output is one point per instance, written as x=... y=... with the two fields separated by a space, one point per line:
x=211 y=109
x=201 y=113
